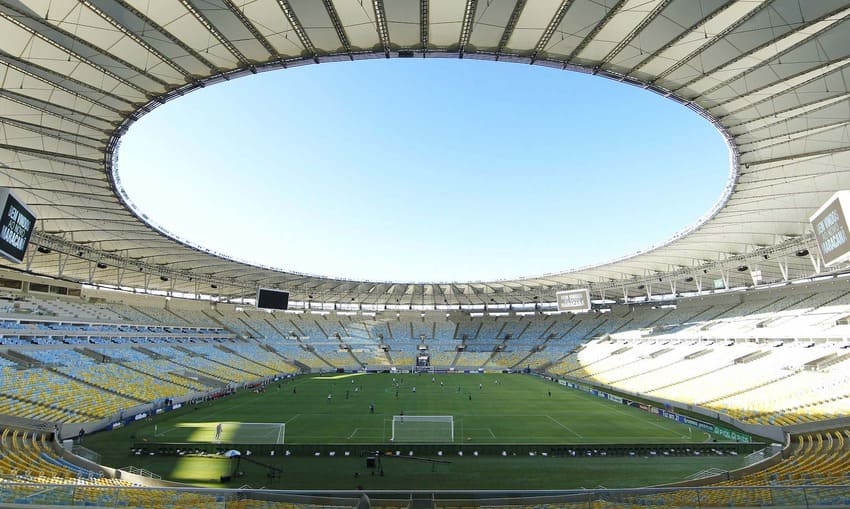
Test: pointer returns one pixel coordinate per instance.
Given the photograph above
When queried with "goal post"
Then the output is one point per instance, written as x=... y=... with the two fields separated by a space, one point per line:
x=250 y=433
x=423 y=428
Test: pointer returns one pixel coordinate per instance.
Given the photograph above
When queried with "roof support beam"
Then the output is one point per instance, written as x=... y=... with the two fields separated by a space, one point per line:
x=340 y=30
x=553 y=25
x=509 y=27
x=53 y=110
x=52 y=35
x=56 y=134
x=133 y=37
x=224 y=41
x=424 y=19
x=770 y=44
x=466 y=26
x=251 y=28
x=625 y=41
x=166 y=34
x=298 y=28
x=684 y=33
x=599 y=26
x=711 y=40
x=55 y=80
x=381 y=25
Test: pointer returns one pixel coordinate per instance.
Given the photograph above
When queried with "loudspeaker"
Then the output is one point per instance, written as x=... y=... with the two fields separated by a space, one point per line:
x=370 y=462
x=224 y=478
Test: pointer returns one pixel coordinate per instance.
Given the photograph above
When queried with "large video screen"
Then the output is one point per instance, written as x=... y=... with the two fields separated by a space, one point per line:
x=272 y=299
x=16 y=226
x=830 y=226
x=575 y=301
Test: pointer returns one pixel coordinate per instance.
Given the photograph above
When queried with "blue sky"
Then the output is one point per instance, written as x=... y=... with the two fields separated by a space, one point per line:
x=423 y=169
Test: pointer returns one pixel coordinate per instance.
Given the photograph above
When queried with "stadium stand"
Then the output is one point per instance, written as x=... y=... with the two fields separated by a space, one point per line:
x=757 y=375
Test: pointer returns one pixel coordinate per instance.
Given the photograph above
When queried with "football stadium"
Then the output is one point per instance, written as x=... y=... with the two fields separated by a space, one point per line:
x=140 y=369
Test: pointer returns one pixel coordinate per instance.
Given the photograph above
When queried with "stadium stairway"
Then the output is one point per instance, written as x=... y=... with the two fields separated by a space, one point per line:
x=522 y=361
x=96 y=386
x=149 y=353
x=96 y=356
x=298 y=365
x=276 y=327
x=203 y=377
x=456 y=357
x=151 y=374
x=745 y=389
x=357 y=361
x=229 y=351
x=251 y=329
x=676 y=382
x=327 y=362
x=19 y=358
x=214 y=363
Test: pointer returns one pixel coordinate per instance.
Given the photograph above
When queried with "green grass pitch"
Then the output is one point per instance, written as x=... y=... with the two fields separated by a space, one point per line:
x=487 y=410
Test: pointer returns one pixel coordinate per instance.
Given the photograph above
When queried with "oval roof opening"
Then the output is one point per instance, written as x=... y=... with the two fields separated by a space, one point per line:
x=423 y=170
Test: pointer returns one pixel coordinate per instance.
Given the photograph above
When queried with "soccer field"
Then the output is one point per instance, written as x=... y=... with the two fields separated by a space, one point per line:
x=497 y=421
x=484 y=409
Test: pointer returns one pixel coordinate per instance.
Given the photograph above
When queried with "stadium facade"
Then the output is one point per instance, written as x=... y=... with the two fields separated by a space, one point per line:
x=772 y=76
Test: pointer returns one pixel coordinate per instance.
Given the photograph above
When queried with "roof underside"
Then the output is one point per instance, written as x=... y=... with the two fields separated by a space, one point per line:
x=772 y=75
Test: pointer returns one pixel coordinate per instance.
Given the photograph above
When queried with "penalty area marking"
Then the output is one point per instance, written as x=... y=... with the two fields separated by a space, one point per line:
x=473 y=430
x=559 y=423
x=373 y=431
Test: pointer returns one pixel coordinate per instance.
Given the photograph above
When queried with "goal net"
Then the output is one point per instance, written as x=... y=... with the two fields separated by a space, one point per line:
x=250 y=432
x=423 y=428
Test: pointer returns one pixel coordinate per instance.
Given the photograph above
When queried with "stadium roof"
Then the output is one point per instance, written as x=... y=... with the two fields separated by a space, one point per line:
x=772 y=75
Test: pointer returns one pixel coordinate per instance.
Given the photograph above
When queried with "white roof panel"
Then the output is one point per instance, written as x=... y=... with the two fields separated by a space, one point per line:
x=771 y=75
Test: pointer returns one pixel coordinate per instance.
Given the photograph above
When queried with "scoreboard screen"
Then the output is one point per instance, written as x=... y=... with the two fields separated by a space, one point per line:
x=576 y=301
x=16 y=226
x=272 y=299
x=830 y=226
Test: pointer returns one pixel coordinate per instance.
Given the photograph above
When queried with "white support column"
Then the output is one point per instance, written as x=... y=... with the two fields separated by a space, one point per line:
x=92 y=267
x=783 y=268
x=63 y=259
x=673 y=286
x=724 y=278
x=29 y=257
x=815 y=258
